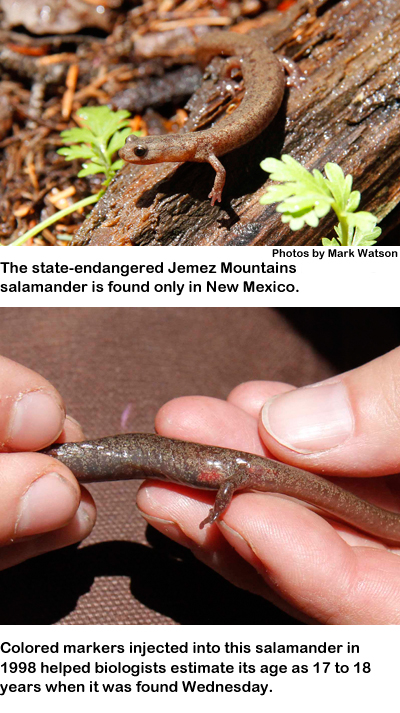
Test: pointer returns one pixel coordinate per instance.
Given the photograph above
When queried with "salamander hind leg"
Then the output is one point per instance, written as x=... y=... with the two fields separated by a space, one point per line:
x=233 y=67
x=240 y=478
x=295 y=75
x=222 y=500
x=219 y=181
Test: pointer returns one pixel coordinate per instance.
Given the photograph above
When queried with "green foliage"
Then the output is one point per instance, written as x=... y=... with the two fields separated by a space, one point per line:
x=305 y=197
x=103 y=133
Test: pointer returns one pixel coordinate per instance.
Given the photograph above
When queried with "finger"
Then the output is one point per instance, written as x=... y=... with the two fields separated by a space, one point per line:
x=184 y=414
x=252 y=395
x=38 y=494
x=31 y=410
x=200 y=418
x=307 y=568
x=287 y=546
x=71 y=432
x=80 y=527
x=306 y=562
x=349 y=424
x=207 y=420
x=176 y=512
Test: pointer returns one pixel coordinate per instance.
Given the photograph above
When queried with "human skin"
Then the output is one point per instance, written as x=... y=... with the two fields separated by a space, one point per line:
x=42 y=507
x=318 y=570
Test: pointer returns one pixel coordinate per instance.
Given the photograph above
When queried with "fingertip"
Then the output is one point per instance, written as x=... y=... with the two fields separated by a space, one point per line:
x=311 y=419
x=186 y=418
x=79 y=527
x=49 y=503
x=85 y=515
x=36 y=420
x=203 y=419
x=252 y=395
x=167 y=415
x=72 y=431
x=174 y=506
x=38 y=494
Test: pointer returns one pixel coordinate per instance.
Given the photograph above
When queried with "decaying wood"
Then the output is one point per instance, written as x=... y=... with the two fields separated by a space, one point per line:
x=348 y=111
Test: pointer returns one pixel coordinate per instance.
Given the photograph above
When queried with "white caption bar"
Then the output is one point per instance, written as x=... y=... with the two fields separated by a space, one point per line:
x=261 y=668
x=198 y=277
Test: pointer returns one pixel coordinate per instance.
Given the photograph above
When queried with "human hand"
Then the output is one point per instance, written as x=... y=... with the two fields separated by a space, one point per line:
x=42 y=507
x=310 y=566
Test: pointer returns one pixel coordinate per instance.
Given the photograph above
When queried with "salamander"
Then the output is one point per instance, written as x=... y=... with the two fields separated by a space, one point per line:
x=264 y=81
x=146 y=455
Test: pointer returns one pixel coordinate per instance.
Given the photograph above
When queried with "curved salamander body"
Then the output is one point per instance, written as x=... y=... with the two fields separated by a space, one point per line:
x=145 y=455
x=264 y=82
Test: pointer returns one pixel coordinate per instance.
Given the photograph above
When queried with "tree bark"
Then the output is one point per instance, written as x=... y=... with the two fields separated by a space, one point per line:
x=347 y=111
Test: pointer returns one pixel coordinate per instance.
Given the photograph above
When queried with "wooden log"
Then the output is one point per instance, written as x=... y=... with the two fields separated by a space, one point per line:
x=348 y=111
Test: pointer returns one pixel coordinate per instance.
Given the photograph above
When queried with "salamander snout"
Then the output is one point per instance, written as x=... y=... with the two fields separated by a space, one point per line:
x=136 y=149
x=150 y=149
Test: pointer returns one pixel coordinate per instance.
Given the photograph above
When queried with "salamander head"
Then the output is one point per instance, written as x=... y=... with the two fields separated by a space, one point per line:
x=152 y=149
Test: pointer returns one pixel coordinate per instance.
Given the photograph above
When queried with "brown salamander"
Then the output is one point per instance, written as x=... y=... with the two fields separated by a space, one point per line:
x=264 y=81
x=145 y=455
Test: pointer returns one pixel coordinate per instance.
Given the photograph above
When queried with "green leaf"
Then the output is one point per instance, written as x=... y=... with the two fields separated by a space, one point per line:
x=94 y=117
x=288 y=169
x=103 y=133
x=334 y=173
x=117 y=165
x=103 y=122
x=353 y=201
x=101 y=119
x=348 y=182
x=118 y=140
x=336 y=183
x=276 y=193
x=321 y=181
x=325 y=241
x=362 y=219
x=270 y=165
x=339 y=233
x=311 y=219
x=367 y=238
x=79 y=136
x=295 y=223
x=305 y=197
x=73 y=152
x=89 y=169
x=322 y=208
x=294 y=204
x=296 y=178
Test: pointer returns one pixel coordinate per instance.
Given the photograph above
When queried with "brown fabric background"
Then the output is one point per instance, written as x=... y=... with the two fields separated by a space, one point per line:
x=103 y=359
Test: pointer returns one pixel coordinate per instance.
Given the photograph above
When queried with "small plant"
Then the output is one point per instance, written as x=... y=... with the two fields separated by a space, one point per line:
x=103 y=133
x=306 y=197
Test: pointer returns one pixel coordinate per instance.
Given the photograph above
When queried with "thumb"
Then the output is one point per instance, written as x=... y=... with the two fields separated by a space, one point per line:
x=349 y=424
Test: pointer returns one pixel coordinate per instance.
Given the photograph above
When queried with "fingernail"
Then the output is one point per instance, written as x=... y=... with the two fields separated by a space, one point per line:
x=311 y=419
x=48 y=504
x=169 y=528
x=37 y=420
x=86 y=518
x=73 y=420
x=72 y=429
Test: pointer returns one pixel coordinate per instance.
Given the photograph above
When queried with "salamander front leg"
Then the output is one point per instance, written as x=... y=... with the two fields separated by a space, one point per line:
x=219 y=182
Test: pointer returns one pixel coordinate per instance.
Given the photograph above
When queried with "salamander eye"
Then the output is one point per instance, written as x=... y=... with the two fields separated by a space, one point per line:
x=140 y=151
